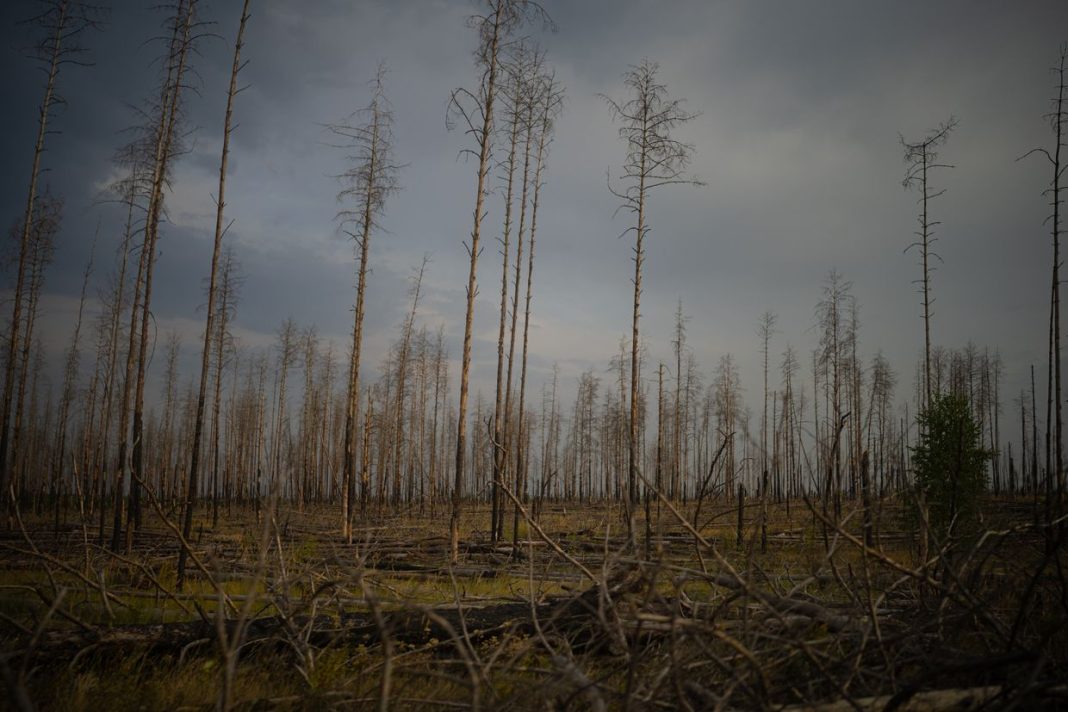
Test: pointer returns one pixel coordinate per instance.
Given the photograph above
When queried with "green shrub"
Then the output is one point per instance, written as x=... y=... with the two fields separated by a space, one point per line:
x=950 y=463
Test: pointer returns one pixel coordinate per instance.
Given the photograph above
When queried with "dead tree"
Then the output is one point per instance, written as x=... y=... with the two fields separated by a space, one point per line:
x=205 y=356
x=70 y=379
x=789 y=370
x=550 y=447
x=921 y=157
x=229 y=283
x=475 y=110
x=130 y=191
x=547 y=99
x=159 y=147
x=165 y=450
x=654 y=159
x=287 y=353
x=834 y=345
x=881 y=394
x=309 y=417
x=403 y=357
x=679 y=344
x=61 y=23
x=46 y=222
x=84 y=465
x=167 y=149
x=528 y=66
x=727 y=394
x=513 y=124
x=440 y=377
x=370 y=180
x=766 y=329
x=1058 y=118
x=856 y=377
x=658 y=467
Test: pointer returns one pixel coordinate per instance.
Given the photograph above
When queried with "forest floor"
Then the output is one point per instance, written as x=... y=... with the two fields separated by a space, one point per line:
x=279 y=612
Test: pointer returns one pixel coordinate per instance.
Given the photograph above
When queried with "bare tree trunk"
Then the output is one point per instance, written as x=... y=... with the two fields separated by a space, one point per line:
x=371 y=181
x=1034 y=446
x=658 y=471
x=653 y=159
x=163 y=153
x=226 y=294
x=42 y=247
x=1049 y=415
x=402 y=375
x=550 y=97
x=676 y=453
x=1059 y=121
x=205 y=357
x=920 y=157
x=491 y=30
x=1054 y=442
x=639 y=259
x=528 y=69
x=439 y=361
x=70 y=377
x=365 y=457
x=500 y=459
x=57 y=49
x=169 y=492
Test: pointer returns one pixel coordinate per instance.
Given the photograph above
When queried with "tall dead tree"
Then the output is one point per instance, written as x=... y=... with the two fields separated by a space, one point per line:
x=528 y=66
x=130 y=190
x=165 y=451
x=70 y=380
x=679 y=343
x=309 y=417
x=547 y=99
x=46 y=223
x=727 y=395
x=61 y=23
x=167 y=149
x=192 y=482
x=229 y=282
x=550 y=424
x=765 y=331
x=881 y=396
x=1058 y=118
x=440 y=376
x=856 y=377
x=921 y=157
x=369 y=181
x=159 y=147
x=654 y=159
x=287 y=353
x=513 y=97
x=475 y=110
x=789 y=369
x=834 y=348
x=403 y=358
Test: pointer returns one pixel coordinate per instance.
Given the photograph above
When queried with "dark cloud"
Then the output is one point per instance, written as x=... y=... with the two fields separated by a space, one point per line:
x=801 y=105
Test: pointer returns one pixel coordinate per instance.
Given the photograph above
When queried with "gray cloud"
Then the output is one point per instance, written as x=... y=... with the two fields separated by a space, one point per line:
x=801 y=105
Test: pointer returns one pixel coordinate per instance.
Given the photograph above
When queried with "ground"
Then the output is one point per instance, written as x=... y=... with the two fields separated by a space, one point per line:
x=279 y=612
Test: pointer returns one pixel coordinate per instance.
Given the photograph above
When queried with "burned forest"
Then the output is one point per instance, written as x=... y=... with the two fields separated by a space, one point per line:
x=496 y=354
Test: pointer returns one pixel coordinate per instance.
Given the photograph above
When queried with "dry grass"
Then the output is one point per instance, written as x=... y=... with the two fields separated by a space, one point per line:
x=703 y=620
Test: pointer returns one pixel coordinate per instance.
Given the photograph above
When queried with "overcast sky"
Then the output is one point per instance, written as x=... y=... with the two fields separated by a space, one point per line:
x=801 y=106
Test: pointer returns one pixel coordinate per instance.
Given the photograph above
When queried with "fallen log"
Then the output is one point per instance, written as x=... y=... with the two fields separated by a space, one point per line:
x=835 y=622
x=955 y=699
x=580 y=614
x=413 y=626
